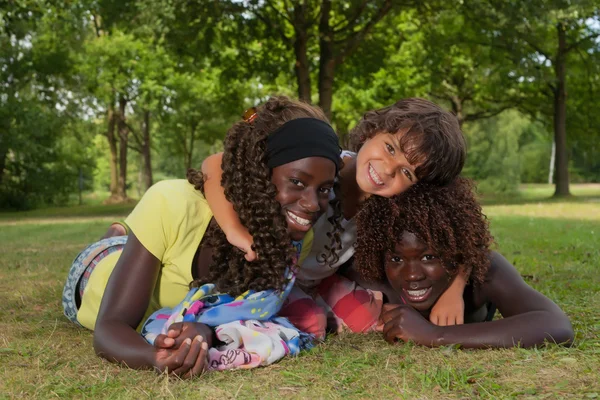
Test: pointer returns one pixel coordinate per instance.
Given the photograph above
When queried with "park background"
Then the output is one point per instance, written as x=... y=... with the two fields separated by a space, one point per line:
x=101 y=98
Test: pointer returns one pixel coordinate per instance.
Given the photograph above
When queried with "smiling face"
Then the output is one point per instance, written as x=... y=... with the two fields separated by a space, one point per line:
x=303 y=188
x=416 y=273
x=382 y=168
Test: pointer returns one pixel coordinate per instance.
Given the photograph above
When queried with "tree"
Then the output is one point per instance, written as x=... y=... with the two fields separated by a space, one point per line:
x=540 y=36
x=340 y=28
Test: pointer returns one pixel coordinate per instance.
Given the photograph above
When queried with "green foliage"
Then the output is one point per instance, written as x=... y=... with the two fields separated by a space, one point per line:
x=505 y=151
x=187 y=70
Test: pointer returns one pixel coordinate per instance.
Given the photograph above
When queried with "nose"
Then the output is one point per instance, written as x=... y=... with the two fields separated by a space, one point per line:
x=413 y=272
x=391 y=167
x=309 y=201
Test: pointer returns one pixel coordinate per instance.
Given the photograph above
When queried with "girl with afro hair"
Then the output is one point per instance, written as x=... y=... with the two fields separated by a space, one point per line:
x=415 y=243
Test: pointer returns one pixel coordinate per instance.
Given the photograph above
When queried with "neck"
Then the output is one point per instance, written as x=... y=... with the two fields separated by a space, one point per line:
x=352 y=196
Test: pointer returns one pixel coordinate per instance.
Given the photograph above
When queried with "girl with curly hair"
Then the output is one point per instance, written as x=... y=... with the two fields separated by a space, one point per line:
x=279 y=168
x=413 y=140
x=416 y=242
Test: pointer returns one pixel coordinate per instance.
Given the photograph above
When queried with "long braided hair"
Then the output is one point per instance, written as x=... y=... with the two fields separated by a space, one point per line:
x=247 y=183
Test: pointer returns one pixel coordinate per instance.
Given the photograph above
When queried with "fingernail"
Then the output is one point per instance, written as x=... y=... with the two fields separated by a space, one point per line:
x=187 y=341
x=199 y=338
x=204 y=345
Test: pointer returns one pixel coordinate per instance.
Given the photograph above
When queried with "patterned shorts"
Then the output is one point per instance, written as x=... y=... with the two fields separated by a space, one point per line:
x=81 y=270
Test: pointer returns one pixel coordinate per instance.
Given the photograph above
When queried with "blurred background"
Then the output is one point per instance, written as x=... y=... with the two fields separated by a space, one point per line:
x=101 y=98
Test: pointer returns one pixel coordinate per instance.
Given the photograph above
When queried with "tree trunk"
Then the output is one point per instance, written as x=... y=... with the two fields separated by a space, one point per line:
x=326 y=59
x=112 y=144
x=123 y=137
x=457 y=109
x=560 y=116
x=146 y=171
x=189 y=149
x=302 y=66
x=3 y=153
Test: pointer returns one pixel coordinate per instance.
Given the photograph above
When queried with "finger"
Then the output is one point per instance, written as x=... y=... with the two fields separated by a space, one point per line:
x=393 y=334
x=394 y=313
x=191 y=357
x=443 y=321
x=175 y=329
x=201 y=361
x=434 y=319
x=390 y=325
x=250 y=255
x=176 y=359
x=460 y=319
x=162 y=341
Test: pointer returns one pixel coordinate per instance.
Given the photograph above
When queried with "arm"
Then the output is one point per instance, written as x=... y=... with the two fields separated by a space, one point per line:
x=450 y=307
x=222 y=209
x=347 y=270
x=123 y=306
x=530 y=318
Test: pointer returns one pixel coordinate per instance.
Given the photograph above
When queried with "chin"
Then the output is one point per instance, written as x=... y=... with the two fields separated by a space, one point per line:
x=297 y=236
x=423 y=306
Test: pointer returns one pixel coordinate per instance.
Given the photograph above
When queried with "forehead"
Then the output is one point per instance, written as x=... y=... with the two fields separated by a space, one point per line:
x=318 y=168
x=409 y=241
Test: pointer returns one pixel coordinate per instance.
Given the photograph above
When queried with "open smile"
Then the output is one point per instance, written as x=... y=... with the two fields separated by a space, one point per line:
x=417 y=296
x=374 y=176
x=300 y=222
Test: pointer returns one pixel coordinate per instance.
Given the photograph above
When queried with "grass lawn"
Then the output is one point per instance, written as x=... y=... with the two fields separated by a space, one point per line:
x=555 y=245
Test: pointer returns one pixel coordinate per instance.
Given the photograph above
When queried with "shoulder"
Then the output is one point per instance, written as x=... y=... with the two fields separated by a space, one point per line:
x=347 y=154
x=176 y=192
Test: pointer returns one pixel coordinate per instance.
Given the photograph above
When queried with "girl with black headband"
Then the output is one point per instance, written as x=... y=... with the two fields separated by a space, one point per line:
x=278 y=173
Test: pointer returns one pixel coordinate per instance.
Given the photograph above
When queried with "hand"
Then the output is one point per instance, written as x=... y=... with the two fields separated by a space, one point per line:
x=189 y=360
x=243 y=241
x=449 y=309
x=405 y=323
x=384 y=309
x=180 y=331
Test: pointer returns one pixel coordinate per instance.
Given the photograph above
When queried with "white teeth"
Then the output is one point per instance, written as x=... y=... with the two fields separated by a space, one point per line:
x=416 y=293
x=299 y=220
x=374 y=176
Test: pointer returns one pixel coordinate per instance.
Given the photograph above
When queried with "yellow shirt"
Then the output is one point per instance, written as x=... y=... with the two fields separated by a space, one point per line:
x=169 y=221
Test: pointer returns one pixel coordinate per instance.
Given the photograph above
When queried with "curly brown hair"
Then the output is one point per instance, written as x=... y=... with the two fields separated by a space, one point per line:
x=448 y=218
x=247 y=182
x=431 y=138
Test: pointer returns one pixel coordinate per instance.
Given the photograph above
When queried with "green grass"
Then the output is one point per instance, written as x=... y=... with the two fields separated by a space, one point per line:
x=554 y=244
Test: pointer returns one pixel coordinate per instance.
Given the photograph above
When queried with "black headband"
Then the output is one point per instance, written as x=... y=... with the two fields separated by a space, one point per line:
x=301 y=138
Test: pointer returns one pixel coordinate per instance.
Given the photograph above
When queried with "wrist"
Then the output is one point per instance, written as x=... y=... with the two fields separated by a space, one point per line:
x=438 y=336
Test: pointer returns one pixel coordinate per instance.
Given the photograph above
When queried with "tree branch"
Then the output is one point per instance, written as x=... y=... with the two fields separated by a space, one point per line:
x=354 y=40
x=486 y=114
x=273 y=26
x=350 y=21
x=577 y=43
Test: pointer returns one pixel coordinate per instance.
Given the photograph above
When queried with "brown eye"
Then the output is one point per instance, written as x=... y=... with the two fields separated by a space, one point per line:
x=396 y=259
x=296 y=182
x=390 y=149
x=408 y=174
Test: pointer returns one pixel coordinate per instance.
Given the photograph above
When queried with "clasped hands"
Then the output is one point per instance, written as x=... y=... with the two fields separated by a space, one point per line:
x=183 y=351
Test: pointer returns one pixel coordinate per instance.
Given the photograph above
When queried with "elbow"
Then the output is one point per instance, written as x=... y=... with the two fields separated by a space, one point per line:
x=562 y=335
x=211 y=164
x=97 y=341
x=558 y=329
